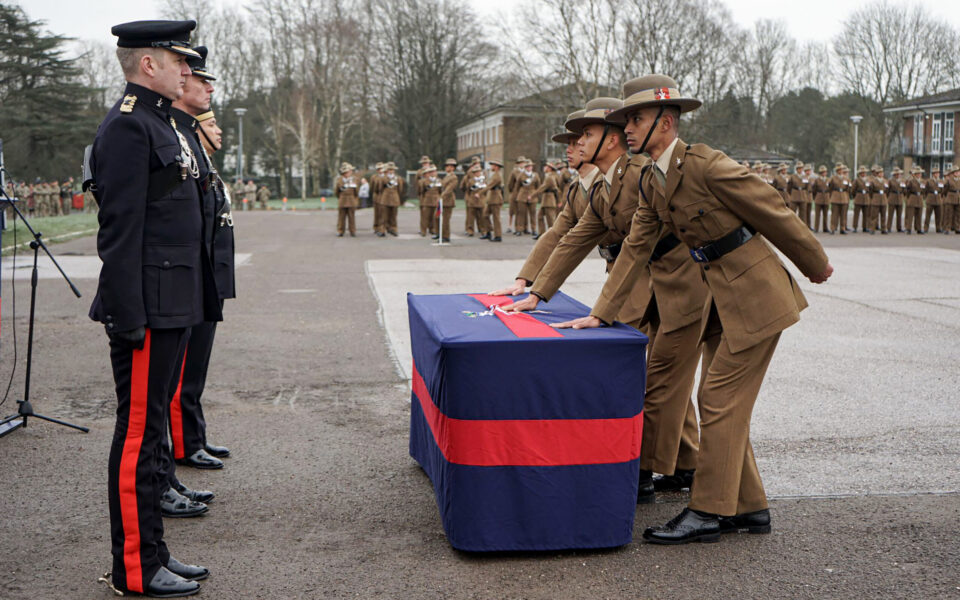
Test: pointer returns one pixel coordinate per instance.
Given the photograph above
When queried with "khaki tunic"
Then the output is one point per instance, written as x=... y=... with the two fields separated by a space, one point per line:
x=528 y=184
x=915 y=189
x=495 y=189
x=548 y=191
x=345 y=189
x=474 y=189
x=448 y=190
x=430 y=191
x=391 y=190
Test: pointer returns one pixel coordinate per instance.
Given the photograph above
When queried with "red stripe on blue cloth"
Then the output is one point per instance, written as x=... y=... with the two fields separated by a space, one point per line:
x=521 y=324
x=529 y=442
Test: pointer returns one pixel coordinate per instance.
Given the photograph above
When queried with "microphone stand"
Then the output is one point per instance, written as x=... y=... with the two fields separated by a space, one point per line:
x=25 y=409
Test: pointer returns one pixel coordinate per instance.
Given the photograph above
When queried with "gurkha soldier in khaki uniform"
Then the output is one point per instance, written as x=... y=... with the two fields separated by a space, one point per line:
x=730 y=221
x=448 y=191
x=808 y=180
x=529 y=181
x=66 y=196
x=432 y=186
x=392 y=191
x=513 y=190
x=933 y=200
x=345 y=188
x=781 y=183
x=674 y=290
x=418 y=178
x=898 y=190
x=862 y=190
x=797 y=189
x=915 y=189
x=263 y=196
x=494 y=202
x=474 y=186
x=376 y=182
x=821 y=200
x=878 y=201
x=250 y=192
x=547 y=193
x=951 y=215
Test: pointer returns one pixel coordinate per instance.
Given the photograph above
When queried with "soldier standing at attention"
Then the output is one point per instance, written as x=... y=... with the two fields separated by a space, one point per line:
x=862 y=189
x=781 y=183
x=935 y=189
x=431 y=186
x=821 y=200
x=392 y=189
x=474 y=191
x=263 y=196
x=806 y=213
x=494 y=201
x=952 y=200
x=915 y=189
x=797 y=188
x=156 y=281
x=513 y=190
x=878 y=203
x=712 y=205
x=250 y=192
x=448 y=187
x=898 y=188
x=375 y=189
x=237 y=190
x=547 y=192
x=345 y=188
x=527 y=200
x=424 y=161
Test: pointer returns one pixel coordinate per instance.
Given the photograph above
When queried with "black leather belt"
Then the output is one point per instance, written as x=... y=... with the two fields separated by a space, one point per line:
x=727 y=243
x=665 y=245
x=610 y=253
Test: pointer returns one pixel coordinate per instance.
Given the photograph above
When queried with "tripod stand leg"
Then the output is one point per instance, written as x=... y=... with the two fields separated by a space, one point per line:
x=59 y=422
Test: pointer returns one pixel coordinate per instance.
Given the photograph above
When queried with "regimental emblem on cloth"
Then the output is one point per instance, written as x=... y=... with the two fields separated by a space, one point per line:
x=661 y=94
x=127 y=105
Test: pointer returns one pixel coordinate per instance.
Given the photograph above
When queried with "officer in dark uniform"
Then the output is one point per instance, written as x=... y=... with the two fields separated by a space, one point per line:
x=187 y=424
x=156 y=283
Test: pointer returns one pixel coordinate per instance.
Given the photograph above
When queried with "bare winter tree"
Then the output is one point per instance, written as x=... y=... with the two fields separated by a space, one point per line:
x=100 y=70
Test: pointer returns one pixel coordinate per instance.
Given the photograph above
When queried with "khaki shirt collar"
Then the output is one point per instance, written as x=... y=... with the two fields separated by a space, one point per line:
x=663 y=163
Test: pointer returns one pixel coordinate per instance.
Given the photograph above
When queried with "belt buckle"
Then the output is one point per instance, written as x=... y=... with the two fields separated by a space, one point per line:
x=698 y=255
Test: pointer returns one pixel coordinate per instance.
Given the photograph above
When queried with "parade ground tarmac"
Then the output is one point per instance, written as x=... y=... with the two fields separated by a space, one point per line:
x=856 y=432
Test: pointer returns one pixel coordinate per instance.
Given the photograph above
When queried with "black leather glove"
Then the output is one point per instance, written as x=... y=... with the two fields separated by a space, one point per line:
x=132 y=339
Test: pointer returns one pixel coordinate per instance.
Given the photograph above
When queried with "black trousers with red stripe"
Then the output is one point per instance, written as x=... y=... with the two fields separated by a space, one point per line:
x=188 y=429
x=143 y=379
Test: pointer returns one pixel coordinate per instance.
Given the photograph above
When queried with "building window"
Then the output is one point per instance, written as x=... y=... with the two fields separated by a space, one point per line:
x=948 y=133
x=918 y=134
x=935 y=136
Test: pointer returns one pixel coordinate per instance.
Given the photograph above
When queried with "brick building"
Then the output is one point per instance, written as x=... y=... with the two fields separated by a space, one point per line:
x=927 y=133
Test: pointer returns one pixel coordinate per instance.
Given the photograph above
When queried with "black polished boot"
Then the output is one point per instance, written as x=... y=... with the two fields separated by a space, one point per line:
x=645 y=491
x=688 y=526
x=202 y=496
x=218 y=451
x=175 y=505
x=166 y=584
x=201 y=460
x=680 y=480
x=751 y=522
x=188 y=572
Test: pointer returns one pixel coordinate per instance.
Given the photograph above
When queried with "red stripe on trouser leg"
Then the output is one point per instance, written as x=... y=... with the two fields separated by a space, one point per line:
x=176 y=414
x=127 y=481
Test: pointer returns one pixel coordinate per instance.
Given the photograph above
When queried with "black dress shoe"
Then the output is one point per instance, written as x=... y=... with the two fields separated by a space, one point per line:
x=177 y=506
x=434 y=237
x=496 y=239
x=447 y=240
x=536 y=236
x=188 y=572
x=201 y=460
x=196 y=495
x=688 y=526
x=393 y=233
x=339 y=235
x=218 y=451
x=681 y=479
x=752 y=522
x=166 y=584
x=645 y=491
x=485 y=236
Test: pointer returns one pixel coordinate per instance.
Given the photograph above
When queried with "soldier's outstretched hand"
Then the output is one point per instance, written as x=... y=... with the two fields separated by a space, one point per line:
x=822 y=277
x=519 y=285
x=582 y=323
x=528 y=303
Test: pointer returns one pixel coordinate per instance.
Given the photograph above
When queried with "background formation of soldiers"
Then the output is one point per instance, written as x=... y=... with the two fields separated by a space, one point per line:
x=49 y=198
x=533 y=199
x=905 y=202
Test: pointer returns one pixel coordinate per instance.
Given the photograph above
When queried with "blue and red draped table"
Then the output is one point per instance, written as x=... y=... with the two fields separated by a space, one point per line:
x=530 y=435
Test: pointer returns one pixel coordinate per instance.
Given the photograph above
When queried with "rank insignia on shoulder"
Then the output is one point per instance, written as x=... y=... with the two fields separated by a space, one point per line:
x=128 y=101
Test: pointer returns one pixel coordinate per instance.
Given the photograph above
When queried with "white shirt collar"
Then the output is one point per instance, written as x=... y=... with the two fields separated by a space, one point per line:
x=663 y=163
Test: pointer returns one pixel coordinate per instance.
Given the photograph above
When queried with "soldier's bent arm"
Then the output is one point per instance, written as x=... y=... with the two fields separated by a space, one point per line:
x=547 y=244
x=760 y=209
x=123 y=174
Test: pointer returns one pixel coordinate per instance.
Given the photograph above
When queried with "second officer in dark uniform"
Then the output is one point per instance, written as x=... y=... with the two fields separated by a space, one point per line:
x=156 y=282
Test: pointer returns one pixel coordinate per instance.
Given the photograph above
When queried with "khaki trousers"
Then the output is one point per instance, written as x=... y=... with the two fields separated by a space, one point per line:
x=377 y=209
x=822 y=220
x=428 y=220
x=948 y=212
x=475 y=216
x=896 y=207
x=913 y=219
x=727 y=481
x=870 y=222
x=526 y=216
x=435 y=227
x=347 y=215
x=546 y=217
x=932 y=209
x=493 y=219
x=805 y=212
x=387 y=218
x=859 y=216
x=670 y=438
x=838 y=222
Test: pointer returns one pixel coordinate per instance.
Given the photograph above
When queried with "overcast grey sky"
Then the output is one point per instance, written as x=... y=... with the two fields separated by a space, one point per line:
x=816 y=20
